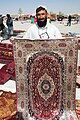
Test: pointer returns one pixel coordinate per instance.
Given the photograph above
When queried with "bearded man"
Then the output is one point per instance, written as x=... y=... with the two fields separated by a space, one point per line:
x=42 y=29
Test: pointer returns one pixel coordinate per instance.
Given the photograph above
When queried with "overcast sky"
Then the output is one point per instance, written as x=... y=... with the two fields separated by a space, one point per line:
x=29 y=6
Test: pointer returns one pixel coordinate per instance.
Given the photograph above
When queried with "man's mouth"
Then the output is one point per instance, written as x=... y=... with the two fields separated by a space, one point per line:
x=41 y=19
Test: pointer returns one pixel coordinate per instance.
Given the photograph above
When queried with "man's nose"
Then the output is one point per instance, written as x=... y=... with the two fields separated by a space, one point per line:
x=41 y=17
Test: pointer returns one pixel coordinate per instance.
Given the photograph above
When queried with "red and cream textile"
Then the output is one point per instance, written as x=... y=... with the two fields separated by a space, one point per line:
x=7 y=72
x=6 y=57
x=46 y=78
x=6 y=53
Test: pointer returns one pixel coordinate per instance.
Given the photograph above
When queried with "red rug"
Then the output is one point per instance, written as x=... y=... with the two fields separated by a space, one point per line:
x=6 y=57
x=6 y=53
x=46 y=78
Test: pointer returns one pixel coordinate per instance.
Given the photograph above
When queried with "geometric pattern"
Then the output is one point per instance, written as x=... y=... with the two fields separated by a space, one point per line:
x=46 y=78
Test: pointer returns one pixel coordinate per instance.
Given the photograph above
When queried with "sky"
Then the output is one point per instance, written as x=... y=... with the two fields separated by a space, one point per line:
x=29 y=6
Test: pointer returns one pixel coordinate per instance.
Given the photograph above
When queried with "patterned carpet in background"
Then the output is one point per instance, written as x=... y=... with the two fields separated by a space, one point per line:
x=8 y=105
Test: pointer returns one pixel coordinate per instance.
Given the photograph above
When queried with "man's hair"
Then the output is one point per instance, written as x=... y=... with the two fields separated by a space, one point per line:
x=8 y=15
x=40 y=8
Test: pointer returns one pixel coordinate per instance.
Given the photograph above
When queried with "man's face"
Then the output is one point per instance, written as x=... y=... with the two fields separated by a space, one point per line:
x=41 y=18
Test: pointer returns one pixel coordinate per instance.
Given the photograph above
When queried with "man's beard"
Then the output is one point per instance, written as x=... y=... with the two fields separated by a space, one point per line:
x=42 y=23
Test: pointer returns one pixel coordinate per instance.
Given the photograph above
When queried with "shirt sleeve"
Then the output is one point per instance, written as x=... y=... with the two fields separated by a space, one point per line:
x=57 y=33
x=28 y=34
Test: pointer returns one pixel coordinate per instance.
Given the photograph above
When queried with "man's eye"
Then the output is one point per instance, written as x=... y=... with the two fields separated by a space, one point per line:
x=40 y=14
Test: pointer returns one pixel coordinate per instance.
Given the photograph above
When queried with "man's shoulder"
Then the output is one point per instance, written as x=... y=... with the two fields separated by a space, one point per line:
x=51 y=25
x=32 y=27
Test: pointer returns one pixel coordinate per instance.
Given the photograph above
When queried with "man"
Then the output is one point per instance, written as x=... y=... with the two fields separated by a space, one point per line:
x=1 y=22
x=69 y=20
x=9 y=23
x=3 y=29
x=42 y=29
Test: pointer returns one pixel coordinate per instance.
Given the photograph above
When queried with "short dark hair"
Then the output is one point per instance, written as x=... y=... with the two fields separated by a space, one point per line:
x=40 y=8
x=8 y=15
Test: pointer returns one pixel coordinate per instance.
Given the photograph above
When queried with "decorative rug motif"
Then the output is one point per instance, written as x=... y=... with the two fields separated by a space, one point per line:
x=46 y=78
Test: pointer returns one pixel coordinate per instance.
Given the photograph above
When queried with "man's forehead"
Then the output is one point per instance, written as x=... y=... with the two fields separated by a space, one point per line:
x=41 y=11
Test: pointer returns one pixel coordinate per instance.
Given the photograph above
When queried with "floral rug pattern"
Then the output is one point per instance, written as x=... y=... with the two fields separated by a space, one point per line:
x=46 y=78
